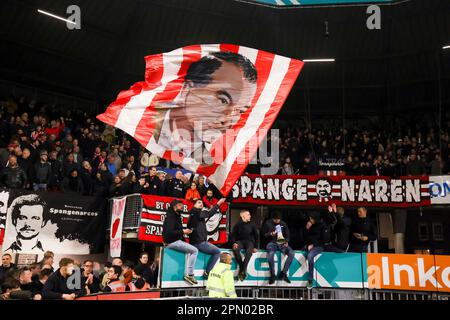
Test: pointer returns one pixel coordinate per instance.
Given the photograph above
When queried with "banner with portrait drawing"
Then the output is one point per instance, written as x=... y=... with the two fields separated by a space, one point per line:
x=39 y=221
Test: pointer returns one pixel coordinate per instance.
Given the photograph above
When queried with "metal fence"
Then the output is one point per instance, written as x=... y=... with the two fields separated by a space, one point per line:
x=311 y=294
x=132 y=213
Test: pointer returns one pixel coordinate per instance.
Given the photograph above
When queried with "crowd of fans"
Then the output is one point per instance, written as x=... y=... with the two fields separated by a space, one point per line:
x=419 y=150
x=39 y=281
x=47 y=147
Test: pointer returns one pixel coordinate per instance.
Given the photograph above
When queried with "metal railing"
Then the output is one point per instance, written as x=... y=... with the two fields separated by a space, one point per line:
x=311 y=294
x=132 y=213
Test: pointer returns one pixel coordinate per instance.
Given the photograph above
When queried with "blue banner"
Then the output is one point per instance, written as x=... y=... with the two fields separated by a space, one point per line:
x=332 y=270
x=318 y=2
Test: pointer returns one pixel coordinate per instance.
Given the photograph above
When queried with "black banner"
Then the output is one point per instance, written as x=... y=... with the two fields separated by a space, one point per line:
x=63 y=223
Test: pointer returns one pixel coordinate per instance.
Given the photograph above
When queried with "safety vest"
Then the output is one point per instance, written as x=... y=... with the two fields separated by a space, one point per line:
x=133 y=287
x=116 y=286
x=221 y=282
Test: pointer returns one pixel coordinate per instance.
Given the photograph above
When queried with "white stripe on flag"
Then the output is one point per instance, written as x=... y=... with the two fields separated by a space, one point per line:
x=208 y=48
x=278 y=72
x=131 y=114
x=250 y=53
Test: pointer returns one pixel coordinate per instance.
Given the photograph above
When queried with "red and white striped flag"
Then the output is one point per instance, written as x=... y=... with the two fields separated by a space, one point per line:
x=206 y=107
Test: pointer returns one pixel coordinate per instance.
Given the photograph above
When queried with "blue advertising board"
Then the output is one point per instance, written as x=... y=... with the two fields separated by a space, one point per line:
x=332 y=270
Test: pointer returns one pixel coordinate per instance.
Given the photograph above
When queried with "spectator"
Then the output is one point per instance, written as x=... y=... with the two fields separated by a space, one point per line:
x=199 y=236
x=201 y=187
x=154 y=183
x=415 y=167
x=73 y=183
x=244 y=236
x=41 y=173
x=70 y=165
x=114 y=284
x=27 y=284
x=56 y=170
x=192 y=193
x=173 y=237
x=6 y=267
x=35 y=269
x=314 y=242
x=209 y=199
x=56 y=288
x=341 y=230
x=115 y=262
x=39 y=283
x=362 y=232
x=11 y=291
x=13 y=177
x=127 y=271
x=88 y=278
x=176 y=186
x=138 y=282
x=277 y=233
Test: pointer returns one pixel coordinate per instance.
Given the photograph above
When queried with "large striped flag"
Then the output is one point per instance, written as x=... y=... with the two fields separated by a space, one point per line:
x=206 y=107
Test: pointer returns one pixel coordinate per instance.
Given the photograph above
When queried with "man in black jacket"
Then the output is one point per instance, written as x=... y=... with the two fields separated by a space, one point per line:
x=173 y=236
x=13 y=176
x=57 y=285
x=154 y=184
x=362 y=231
x=314 y=242
x=7 y=267
x=199 y=236
x=176 y=186
x=41 y=173
x=277 y=232
x=341 y=230
x=244 y=236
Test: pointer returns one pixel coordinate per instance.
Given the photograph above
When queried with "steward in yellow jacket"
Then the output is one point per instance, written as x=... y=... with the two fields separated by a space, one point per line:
x=221 y=280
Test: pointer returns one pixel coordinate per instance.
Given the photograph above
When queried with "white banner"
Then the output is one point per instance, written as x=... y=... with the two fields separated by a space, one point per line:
x=115 y=242
x=440 y=189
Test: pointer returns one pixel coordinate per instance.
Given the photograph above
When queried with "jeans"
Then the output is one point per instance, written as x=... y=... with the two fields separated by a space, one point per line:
x=39 y=186
x=360 y=248
x=248 y=246
x=188 y=249
x=271 y=249
x=209 y=248
x=311 y=255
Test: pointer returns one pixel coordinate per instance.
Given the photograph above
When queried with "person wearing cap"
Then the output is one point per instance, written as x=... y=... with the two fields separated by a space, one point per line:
x=277 y=233
x=173 y=237
x=41 y=172
x=314 y=242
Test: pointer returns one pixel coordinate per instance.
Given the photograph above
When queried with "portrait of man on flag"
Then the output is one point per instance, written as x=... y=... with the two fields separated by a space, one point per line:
x=217 y=89
x=207 y=107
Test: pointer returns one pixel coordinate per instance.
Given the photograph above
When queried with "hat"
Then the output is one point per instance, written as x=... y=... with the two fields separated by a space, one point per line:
x=43 y=152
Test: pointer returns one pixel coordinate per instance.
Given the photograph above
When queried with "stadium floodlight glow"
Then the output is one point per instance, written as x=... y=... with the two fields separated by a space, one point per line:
x=55 y=16
x=446 y=47
x=319 y=60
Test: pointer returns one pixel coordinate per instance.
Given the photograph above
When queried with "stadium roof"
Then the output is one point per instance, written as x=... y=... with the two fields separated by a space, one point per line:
x=396 y=66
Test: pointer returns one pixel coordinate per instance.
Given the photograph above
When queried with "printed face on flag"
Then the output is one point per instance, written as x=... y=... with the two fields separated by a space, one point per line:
x=206 y=107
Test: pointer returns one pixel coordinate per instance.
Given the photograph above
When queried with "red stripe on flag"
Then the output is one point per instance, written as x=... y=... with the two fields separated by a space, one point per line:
x=113 y=111
x=295 y=66
x=144 y=130
x=263 y=64
x=229 y=47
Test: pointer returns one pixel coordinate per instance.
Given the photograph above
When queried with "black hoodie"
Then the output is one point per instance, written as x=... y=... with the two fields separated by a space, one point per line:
x=173 y=226
x=197 y=223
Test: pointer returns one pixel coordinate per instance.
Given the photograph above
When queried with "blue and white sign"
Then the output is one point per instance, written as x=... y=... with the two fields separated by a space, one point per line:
x=440 y=189
x=332 y=270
